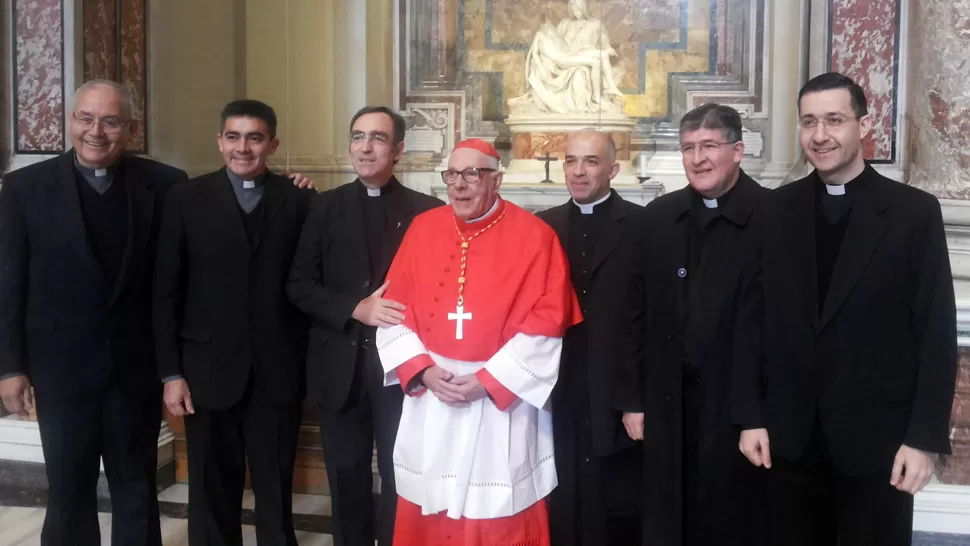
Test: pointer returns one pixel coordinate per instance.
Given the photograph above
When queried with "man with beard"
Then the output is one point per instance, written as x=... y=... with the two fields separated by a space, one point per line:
x=696 y=318
x=348 y=242
x=230 y=346
x=860 y=329
x=599 y=462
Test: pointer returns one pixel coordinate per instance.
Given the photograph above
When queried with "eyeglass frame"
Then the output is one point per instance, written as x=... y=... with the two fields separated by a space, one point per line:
x=104 y=123
x=445 y=173
x=378 y=137
x=708 y=146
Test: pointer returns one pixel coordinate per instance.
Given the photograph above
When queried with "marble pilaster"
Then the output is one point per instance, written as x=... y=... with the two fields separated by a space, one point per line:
x=939 y=102
x=38 y=56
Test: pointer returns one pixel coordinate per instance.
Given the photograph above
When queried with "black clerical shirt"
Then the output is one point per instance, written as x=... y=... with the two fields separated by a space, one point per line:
x=831 y=222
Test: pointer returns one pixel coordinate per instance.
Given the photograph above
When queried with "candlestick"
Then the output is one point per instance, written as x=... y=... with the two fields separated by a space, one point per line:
x=642 y=164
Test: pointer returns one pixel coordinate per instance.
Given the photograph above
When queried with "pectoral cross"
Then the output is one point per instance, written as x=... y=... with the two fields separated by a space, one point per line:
x=459 y=316
x=548 y=159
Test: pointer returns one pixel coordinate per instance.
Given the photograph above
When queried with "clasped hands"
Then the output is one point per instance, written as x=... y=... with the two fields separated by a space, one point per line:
x=912 y=468
x=455 y=391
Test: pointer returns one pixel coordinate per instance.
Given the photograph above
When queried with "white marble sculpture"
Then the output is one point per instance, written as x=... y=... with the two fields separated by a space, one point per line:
x=568 y=68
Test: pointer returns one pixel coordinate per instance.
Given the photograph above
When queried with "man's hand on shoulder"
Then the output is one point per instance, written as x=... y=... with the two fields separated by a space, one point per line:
x=912 y=470
x=301 y=181
x=754 y=446
x=16 y=395
x=374 y=310
x=178 y=398
x=438 y=380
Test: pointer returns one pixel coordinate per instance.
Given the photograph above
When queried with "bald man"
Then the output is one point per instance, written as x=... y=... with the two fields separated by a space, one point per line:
x=598 y=456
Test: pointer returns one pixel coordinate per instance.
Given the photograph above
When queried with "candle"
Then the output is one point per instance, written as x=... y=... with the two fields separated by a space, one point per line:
x=642 y=164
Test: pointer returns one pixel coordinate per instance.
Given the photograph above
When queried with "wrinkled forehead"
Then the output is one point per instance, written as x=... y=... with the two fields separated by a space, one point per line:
x=463 y=158
x=99 y=100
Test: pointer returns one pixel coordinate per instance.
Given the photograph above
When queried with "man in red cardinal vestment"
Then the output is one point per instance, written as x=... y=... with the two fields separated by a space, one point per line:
x=488 y=297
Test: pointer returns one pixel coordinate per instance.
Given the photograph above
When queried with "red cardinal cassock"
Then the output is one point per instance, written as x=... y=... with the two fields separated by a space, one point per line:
x=477 y=475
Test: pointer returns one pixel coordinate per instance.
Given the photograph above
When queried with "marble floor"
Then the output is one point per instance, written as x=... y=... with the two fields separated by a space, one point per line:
x=21 y=527
x=20 y=524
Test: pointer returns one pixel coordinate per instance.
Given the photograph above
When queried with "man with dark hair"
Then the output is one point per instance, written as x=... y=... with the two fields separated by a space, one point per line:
x=77 y=241
x=230 y=346
x=860 y=339
x=695 y=310
x=251 y=109
x=599 y=461
x=350 y=237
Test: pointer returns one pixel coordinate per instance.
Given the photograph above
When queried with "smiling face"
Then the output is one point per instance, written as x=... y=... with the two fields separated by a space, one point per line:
x=712 y=164
x=589 y=167
x=372 y=148
x=473 y=200
x=831 y=134
x=246 y=146
x=99 y=128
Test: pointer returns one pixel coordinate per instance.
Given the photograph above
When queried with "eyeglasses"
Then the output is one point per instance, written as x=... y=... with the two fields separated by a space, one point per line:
x=705 y=147
x=470 y=175
x=110 y=124
x=358 y=137
x=831 y=122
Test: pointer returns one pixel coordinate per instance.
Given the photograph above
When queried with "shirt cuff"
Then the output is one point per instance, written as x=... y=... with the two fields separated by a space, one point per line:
x=11 y=375
x=171 y=378
x=501 y=395
x=410 y=369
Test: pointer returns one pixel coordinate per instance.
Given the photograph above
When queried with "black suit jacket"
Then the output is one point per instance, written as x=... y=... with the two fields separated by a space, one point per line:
x=605 y=326
x=61 y=323
x=331 y=275
x=878 y=363
x=723 y=306
x=221 y=311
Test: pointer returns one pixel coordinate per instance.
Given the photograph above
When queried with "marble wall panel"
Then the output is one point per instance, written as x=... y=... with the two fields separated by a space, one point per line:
x=38 y=76
x=864 y=45
x=100 y=39
x=134 y=66
x=114 y=49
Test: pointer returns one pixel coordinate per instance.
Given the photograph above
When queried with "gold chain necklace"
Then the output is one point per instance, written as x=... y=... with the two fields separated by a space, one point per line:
x=460 y=315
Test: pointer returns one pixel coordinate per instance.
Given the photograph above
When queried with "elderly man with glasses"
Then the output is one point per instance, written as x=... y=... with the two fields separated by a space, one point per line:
x=487 y=297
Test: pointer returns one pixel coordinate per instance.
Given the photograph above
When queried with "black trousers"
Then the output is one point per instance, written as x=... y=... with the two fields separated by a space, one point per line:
x=598 y=499
x=371 y=413
x=813 y=504
x=219 y=443
x=120 y=427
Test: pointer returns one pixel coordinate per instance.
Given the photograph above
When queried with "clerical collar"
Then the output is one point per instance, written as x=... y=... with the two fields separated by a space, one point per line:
x=370 y=191
x=835 y=189
x=709 y=203
x=851 y=187
x=88 y=172
x=490 y=212
x=246 y=184
x=587 y=208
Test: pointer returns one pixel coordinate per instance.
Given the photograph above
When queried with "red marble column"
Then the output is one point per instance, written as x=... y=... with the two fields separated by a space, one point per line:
x=38 y=53
x=864 y=45
x=114 y=49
